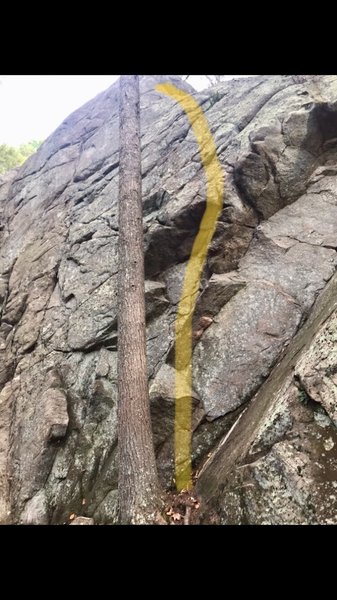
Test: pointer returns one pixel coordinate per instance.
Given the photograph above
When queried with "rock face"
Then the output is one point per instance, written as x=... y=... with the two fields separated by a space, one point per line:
x=279 y=463
x=266 y=307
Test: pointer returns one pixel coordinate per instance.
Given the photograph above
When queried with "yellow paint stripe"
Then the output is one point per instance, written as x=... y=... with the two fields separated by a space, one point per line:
x=183 y=344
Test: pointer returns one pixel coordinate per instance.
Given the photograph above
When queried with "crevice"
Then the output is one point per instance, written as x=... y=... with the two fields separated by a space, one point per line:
x=244 y=196
x=84 y=238
x=307 y=400
x=30 y=349
x=74 y=260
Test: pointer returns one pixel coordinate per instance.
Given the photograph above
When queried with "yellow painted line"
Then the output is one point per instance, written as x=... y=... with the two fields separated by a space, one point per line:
x=183 y=343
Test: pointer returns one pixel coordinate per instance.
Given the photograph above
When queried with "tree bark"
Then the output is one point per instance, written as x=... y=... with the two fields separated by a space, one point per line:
x=138 y=486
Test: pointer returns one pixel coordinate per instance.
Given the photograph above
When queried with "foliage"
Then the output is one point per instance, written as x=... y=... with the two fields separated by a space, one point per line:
x=11 y=156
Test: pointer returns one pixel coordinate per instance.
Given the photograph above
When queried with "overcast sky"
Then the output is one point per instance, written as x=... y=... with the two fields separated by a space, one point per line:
x=32 y=106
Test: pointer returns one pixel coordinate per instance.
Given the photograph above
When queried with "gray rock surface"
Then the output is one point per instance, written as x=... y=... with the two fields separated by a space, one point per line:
x=279 y=464
x=272 y=255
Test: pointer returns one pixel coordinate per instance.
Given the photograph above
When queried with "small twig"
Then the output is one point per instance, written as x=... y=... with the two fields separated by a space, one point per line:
x=187 y=515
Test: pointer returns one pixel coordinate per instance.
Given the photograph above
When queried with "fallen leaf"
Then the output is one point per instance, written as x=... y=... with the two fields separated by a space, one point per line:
x=205 y=322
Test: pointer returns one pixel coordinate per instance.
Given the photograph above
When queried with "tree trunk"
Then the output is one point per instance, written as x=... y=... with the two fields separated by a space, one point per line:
x=138 y=487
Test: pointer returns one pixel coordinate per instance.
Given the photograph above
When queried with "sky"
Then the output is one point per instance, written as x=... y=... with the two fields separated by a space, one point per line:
x=33 y=106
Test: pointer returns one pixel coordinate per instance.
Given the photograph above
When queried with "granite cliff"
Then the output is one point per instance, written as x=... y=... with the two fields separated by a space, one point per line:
x=264 y=370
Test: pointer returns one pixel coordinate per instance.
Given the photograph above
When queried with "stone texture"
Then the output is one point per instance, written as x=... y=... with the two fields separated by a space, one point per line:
x=82 y=521
x=279 y=465
x=273 y=252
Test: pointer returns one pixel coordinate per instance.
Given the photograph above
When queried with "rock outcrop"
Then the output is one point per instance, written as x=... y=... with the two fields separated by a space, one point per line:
x=264 y=368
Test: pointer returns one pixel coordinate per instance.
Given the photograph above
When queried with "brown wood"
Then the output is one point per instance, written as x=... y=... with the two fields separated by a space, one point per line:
x=137 y=481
